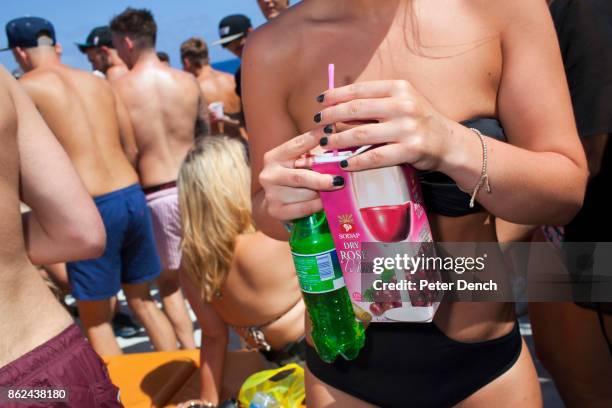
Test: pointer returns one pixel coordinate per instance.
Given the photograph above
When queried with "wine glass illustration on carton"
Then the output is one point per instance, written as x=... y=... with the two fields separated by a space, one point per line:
x=385 y=206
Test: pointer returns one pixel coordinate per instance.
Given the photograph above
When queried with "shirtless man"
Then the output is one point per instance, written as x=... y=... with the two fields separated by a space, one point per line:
x=92 y=125
x=218 y=86
x=168 y=111
x=100 y=52
x=40 y=344
x=233 y=33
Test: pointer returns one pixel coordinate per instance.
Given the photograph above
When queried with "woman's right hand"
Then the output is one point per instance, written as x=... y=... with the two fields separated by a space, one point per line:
x=291 y=192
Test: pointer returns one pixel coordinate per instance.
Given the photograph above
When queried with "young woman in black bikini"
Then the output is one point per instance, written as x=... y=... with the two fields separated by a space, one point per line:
x=415 y=70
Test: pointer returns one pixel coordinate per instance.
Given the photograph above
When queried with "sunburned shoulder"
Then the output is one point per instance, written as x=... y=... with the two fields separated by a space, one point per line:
x=125 y=78
x=37 y=75
x=114 y=73
x=222 y=75
x=85 y=77
x=150 y=76
x=127 y=84
x=54 y=76
x=178 y=74
x=184 y=78
x=39 y=80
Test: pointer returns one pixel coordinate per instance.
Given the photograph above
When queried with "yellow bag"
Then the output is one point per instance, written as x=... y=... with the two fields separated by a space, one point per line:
x=285 y=384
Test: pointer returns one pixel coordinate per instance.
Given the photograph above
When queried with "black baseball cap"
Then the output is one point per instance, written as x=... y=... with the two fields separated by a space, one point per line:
x=232 y=27
x=23 y=32
x=99 y=36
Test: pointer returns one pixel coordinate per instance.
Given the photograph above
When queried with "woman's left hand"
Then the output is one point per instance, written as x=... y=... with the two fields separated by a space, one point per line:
x=409 y=128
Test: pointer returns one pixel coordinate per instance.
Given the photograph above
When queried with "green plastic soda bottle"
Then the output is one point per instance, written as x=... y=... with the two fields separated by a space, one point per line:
x=334 y=328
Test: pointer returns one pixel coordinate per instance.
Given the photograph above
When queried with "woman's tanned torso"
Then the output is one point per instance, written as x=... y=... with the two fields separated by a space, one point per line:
x=453 y=58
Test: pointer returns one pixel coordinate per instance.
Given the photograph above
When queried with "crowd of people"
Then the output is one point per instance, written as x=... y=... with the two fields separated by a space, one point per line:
x=139 y=176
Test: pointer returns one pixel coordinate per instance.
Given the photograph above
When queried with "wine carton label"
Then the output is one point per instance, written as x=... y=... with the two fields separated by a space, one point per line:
x=379 y=206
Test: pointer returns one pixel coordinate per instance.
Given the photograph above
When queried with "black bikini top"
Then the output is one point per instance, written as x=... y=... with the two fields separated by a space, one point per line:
x=440 y=192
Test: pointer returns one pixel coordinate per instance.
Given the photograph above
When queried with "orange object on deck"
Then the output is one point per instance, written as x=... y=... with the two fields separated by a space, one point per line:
x=164 y=379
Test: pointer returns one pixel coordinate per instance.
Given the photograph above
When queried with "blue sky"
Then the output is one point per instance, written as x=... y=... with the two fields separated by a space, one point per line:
x=176 y=20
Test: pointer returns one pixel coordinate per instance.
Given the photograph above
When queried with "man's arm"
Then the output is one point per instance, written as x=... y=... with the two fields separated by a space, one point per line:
x=64 y=223
x=128 y=141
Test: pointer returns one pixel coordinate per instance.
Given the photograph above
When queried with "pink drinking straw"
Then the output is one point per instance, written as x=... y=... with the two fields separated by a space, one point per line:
x=330 y=85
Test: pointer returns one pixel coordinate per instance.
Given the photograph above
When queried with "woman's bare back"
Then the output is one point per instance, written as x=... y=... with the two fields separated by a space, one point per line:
x=261 y=287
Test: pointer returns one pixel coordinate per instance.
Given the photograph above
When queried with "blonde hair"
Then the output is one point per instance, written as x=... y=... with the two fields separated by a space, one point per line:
x=215 y=204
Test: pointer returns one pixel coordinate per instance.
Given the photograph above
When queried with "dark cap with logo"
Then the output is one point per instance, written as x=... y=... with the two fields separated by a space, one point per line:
x=232 y=27
x=98 y=37
x=24 y=31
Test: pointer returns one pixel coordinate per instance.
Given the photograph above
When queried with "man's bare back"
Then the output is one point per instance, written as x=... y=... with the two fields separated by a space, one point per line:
x=167 y=111
x=35 y=166
x=85 y=115
x=164 y=105
x=219 y=87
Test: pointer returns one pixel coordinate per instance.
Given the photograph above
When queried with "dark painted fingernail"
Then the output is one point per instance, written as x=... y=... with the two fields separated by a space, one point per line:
x=344 y=164
x=338 y=181
x=317 y=117
x=323 y=141
x=320 y=98
x=328 y=129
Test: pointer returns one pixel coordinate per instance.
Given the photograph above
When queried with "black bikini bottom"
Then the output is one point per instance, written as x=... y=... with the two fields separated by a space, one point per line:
x=417 y=365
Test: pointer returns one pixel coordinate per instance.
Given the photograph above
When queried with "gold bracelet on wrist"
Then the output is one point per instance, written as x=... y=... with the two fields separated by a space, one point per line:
x=484 y=176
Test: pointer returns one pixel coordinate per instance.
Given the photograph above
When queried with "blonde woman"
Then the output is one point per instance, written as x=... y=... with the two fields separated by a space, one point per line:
x=233 y=275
